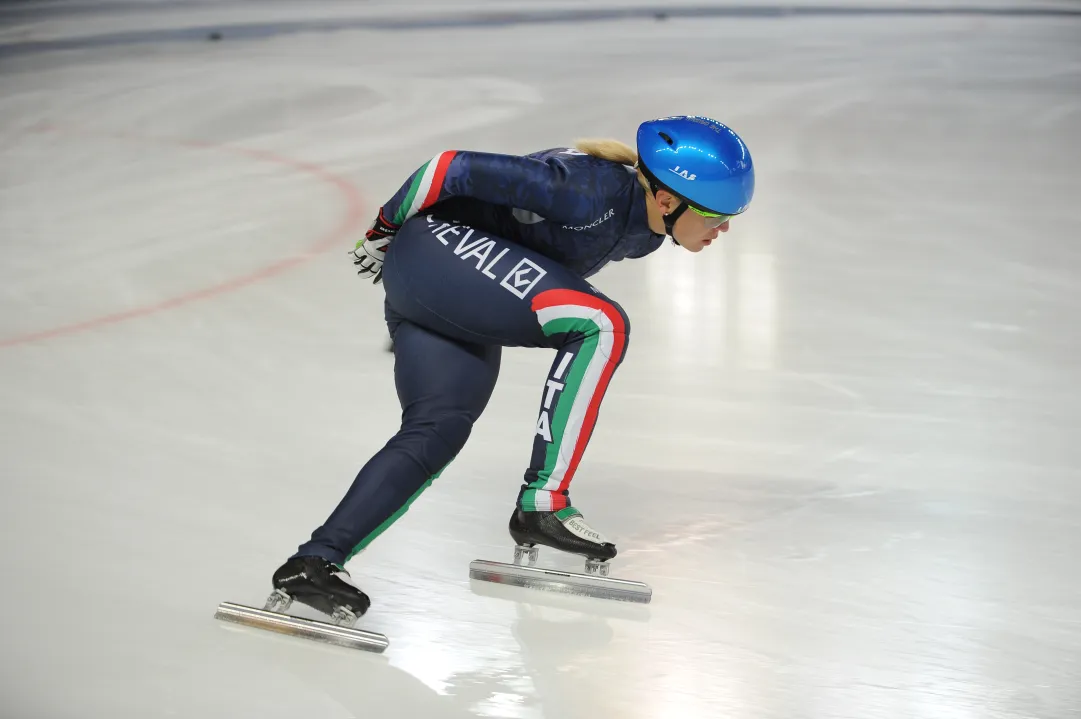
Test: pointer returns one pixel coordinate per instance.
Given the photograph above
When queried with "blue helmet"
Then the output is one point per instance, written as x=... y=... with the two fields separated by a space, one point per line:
x=699 y=160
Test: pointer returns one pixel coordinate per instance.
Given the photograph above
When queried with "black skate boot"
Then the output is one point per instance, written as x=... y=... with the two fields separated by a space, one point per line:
x=321 y=585
x=564 y=530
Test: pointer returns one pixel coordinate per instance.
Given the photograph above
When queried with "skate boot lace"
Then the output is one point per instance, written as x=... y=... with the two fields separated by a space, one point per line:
x=343 y=576
x=576 y=525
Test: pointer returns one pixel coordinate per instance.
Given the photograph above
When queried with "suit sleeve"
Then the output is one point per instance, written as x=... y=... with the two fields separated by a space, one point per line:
x=541 y=186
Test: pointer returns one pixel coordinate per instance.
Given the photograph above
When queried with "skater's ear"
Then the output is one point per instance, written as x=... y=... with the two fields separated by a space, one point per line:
x=666 y=201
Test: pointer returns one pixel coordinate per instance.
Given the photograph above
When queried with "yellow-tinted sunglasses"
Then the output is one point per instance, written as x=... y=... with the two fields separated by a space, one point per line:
x=713 y=219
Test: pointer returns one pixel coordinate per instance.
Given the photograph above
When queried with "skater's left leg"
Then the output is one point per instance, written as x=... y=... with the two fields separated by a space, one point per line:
x=476 y=287
x=591 y=333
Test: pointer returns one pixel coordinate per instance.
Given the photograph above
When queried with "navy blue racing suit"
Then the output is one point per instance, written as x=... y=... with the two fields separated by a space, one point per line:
x=493 y=251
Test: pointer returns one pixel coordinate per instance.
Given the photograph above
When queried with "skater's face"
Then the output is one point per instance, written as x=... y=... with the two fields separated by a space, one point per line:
x=693 y=230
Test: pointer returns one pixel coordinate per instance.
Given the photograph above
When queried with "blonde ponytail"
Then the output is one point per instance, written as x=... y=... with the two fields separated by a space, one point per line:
x=613 y=151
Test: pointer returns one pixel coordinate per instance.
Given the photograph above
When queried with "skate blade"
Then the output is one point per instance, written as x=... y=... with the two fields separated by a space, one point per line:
x=300 y=627
x=553 y=580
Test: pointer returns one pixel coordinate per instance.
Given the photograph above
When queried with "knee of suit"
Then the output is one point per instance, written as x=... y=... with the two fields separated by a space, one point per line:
x=618 y=309
x=453 y=429
x=436 y=438
x=614 y=321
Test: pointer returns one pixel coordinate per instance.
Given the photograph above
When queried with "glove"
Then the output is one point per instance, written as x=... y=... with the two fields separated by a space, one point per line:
x=371 y=249
x=368 y=257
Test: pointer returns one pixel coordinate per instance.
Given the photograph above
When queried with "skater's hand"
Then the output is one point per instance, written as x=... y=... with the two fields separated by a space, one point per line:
x=369 y=253
x=368 y=257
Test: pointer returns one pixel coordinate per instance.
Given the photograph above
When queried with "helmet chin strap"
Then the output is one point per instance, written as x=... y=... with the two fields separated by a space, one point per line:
x=670 y=220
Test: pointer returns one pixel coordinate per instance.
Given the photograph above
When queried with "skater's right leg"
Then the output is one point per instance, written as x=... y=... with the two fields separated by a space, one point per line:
x=443 y=386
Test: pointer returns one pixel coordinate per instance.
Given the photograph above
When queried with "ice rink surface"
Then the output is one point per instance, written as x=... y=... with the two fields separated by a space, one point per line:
x=844 y=449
